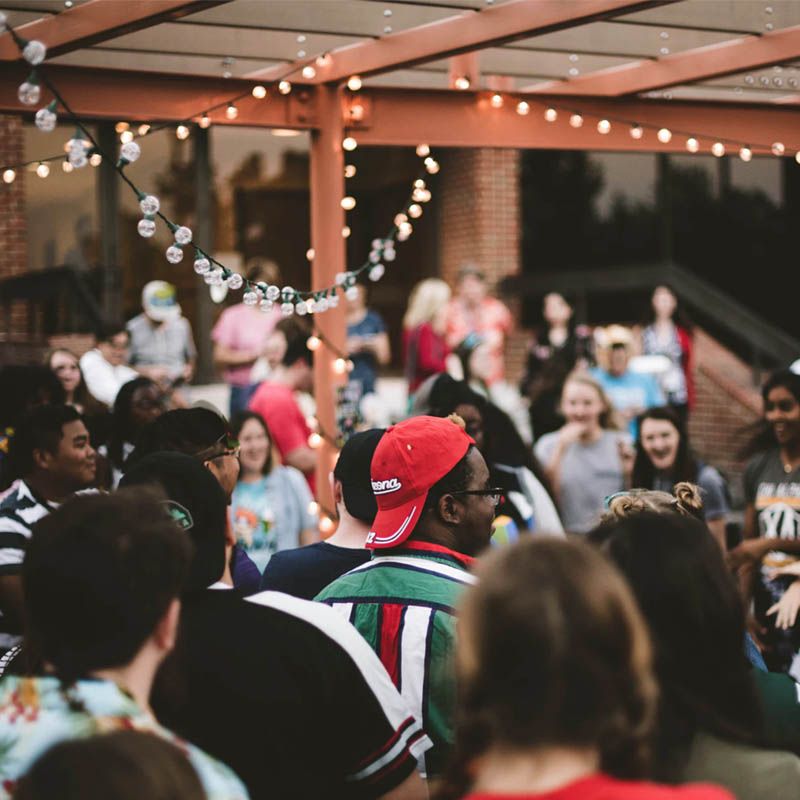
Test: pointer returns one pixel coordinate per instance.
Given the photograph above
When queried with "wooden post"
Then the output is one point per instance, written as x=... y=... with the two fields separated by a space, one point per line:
x=108 y=214
x=327 y=221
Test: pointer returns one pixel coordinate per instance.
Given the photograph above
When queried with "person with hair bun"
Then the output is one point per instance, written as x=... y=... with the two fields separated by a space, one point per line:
x=587 y=459
x=664 y=458
x=684 y=500
x=557 y=694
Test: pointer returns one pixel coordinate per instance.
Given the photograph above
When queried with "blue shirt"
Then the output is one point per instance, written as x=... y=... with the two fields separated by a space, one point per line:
x=364 y=363
x=630 y=390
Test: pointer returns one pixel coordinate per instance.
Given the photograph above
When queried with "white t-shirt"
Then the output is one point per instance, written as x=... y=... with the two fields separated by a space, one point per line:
x=104 y=380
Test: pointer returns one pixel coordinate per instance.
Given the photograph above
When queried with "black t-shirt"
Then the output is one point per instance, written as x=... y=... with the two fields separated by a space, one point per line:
x=306 y=571
x=288 y=695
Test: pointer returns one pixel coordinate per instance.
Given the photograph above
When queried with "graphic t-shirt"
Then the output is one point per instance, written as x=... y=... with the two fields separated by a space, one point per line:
x=267 y=516
x=630 y=390
x=364 y=362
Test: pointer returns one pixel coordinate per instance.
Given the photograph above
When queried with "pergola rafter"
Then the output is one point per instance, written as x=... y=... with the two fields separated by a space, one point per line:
x=97 y=21
x=472 y=30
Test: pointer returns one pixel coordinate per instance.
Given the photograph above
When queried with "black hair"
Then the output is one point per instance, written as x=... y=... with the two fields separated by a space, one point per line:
x=697 y=620
x=762 y=437
x=679 y=316
x=99 y=574
x=685 y=466
x=124 y=765
x=40 y=428
x=296 y=350
x=238 y=421
x=25 y=386
x=184 y=430
x=455 y=481
x=109 y=329
x=121 y=418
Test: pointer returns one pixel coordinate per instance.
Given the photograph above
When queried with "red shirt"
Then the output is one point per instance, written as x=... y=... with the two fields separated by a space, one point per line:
x=604 y=787
x=287 y=425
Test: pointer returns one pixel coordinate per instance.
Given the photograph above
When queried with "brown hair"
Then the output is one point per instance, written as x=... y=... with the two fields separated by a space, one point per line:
x=608 y=420
x=684 y=500
x=82 y=396
x=552 y=651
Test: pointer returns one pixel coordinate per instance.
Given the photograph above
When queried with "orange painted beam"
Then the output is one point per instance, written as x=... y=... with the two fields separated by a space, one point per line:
x=690 y=66
x=471 y=30
x=327 y=221
x=98 y=20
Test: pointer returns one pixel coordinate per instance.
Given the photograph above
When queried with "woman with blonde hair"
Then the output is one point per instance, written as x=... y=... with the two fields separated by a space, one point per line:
x=557 y=695
x=423 y=331
x=587 y=459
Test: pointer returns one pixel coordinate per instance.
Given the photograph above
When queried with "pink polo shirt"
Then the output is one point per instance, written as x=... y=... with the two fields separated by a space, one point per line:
x=242 y=327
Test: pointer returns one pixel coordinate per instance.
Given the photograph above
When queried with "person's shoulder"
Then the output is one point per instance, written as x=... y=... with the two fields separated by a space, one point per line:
x=605 y=787
x=546 y=441
x=294 y=476
x=759 y=462
x=137 y=322
x=709 y=475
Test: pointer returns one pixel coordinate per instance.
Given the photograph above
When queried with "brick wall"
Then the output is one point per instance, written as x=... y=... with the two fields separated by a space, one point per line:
x=727 y=403
x=13 y=239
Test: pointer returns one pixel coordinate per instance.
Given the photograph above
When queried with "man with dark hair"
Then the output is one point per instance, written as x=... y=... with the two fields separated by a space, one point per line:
x=104 y=368
x=274 y=401
x=52 y=455
x=306 y=571
x=435 y=512
x=102 y=577
x=283 y=690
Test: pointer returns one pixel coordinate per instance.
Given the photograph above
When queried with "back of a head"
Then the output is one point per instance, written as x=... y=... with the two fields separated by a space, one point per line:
x=553 y=652
x=685 y=501
x=184 y=430
x=39 y=428
x=123 y=765
x=694 y=612
x=99 y=574
x=353 y=471
x=25 y=386
x=297 y=350
x=195 y=501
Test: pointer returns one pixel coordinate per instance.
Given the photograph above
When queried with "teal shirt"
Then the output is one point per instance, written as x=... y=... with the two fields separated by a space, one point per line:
x=403 y=602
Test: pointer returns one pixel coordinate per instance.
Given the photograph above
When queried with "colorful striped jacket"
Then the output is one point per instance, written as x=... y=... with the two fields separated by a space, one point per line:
x=403 y=602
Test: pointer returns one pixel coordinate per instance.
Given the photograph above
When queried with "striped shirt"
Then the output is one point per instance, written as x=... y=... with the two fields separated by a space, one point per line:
x=19 y=512
x=404 y=605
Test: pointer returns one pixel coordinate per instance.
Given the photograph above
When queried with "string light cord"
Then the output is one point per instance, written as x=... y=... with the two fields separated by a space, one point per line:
x=293 y=301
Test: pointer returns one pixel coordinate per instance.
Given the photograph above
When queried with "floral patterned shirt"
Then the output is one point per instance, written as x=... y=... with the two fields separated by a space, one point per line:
x=36 y=713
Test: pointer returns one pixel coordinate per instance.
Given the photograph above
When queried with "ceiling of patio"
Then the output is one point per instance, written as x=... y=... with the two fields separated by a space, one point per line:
x=242 y=37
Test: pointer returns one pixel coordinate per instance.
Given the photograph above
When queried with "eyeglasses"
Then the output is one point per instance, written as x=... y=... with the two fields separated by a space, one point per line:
x=494 y=495
x=229 y=445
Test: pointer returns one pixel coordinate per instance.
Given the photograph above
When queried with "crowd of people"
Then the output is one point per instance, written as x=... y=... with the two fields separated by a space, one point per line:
x=530 y=592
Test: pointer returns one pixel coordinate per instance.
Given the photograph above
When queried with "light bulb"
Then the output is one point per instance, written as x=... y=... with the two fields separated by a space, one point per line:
x=250 y=298
x=183 y=235
x=603 y=126
x=356 y=112
x=797 y=156
x=174 y=254
x=346 y=232
x=202 y=265
x=349 y=171
x=235 y=281
x=308 y=72
x=78 y=158
x=182 y=132
x=301 y=308
x=419 y=183
x=43 y=170
x=637 y=131
x=66 y=166
x=778 y=149
x=414 y=211
x=576 y=120
x=692 y=145
x=351 y=293
x=287 y=309
x=354 y=83
x=400 y=218
x=461 y=82
x=130 y=151
x=523 y=108
x=231 y=112
x=121 y=126
x=34 y=52
x=284 y=87
x=310 y=253
x=205 y=121
x=259 y=92
x=95 y=159
x=324 y=60
x=745 y=153
x=126 y=136
x=664 y=135
x=149 y=204
x=496 y=101
x=349 y=143
x=423 y=150
x=376 y=272
x=266 y=305
x=273 y=293
x=718 y=149
x=340 y=365
x=314 y=441
x=348 y=203
x=29 y=93
x=143 y=129
x=313 y=508
x=45 y=120
x=432 y=166
x=313 y=343
x=146 y=228
x=550 y=114
x=9 y=175
x=325 y=525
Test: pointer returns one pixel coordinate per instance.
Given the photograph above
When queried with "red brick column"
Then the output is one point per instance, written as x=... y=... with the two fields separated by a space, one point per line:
x=13 y=233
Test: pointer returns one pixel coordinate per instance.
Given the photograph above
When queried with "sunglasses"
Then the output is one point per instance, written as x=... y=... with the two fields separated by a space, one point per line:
x=494 y=495
x=229 y=447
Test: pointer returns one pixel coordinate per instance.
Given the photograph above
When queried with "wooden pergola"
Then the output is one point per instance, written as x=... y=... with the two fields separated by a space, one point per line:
x=709 y=70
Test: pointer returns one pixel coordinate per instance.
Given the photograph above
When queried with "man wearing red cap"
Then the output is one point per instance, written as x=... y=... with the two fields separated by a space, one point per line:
x=435 y=511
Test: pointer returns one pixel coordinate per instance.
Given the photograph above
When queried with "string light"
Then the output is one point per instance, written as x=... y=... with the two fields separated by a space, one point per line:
x=66 y=166
x=308 y=72
x=43 y=170
x=349 y=171
x=349 y=143
x=778 y=148
x=357 y=112
x=95 y=159
x=692 y=145
x=354 y=83
x=259 y=92
x=496 y=101
x=315 y=441
x=121 y=127
x=126 y=136
x=576 y=120
x=414 y=211
x=745 y=153
x=284 y=87
x=324 y=60
x=718 y=149
x=143 y=129
x=523 y=108
x=313 y=343
x=346 y=232
x=797 y=156
x=348 y=203
x=664 y=135
x=637 y=131
x=603 y=126
x=182 y=132
x=310 y=253
x=205 y=121
x=550 y=114
x=325 y=525
x=231 y=112
x=340 y=366
x=313 y=508
x=9 y=175
x=423 y=150
x=461 y=82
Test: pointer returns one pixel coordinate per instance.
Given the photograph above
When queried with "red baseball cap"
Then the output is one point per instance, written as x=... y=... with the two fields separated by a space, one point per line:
x=410 y=458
